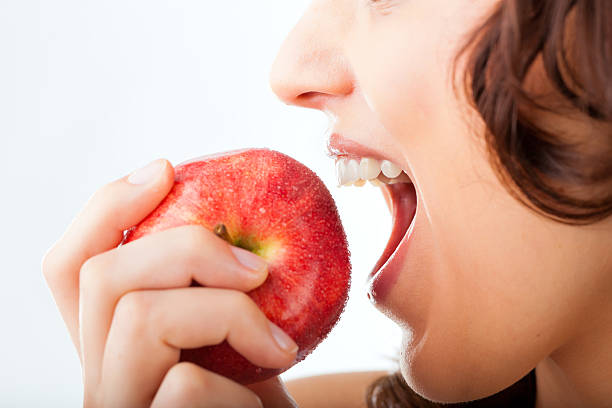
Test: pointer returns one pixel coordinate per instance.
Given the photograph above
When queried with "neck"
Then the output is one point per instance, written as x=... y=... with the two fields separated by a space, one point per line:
x=578 y=374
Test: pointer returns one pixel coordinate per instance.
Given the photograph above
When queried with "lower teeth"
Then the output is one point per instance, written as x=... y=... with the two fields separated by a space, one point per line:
x=382 y=179
x=402 y=178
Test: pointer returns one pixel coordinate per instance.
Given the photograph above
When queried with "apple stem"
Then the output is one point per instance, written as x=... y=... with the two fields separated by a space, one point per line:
x=220 y=230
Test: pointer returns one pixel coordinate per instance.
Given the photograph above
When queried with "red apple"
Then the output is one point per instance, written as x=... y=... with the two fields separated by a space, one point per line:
x=278 y=208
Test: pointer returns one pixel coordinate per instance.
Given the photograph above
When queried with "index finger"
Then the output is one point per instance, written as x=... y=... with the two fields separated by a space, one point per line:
x=99 y=227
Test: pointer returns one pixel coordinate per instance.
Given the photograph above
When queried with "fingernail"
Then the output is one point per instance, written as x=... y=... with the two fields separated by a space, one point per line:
x=148 y=173
x=282 y=339
x=249 y=259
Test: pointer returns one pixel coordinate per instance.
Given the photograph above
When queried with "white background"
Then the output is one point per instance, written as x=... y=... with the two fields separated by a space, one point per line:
x=89 y=91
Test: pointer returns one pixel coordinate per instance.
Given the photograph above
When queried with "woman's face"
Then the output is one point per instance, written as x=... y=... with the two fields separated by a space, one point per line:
x=485 y=288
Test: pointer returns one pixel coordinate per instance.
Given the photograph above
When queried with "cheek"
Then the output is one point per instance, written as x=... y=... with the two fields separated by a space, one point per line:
x=402 y=62
x=504 y=286
x=401 y=89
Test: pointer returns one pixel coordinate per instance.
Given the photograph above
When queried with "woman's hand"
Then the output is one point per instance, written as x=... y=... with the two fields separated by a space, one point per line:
x=130 y=309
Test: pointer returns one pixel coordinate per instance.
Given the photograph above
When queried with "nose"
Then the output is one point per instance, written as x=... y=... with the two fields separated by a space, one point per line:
x=311 y=67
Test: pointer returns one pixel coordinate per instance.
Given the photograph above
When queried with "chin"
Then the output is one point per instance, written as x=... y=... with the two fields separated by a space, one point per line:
x=440 y=376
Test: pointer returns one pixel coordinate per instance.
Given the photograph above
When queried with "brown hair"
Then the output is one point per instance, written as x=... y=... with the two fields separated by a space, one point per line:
x=392 y=392
x=539 y=74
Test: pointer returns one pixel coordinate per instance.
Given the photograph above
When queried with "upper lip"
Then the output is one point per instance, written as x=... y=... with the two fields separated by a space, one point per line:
x=339 y=146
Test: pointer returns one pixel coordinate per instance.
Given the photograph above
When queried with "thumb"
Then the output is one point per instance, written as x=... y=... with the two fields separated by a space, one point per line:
x=120 y=205
x=98 y=228
x=273 y=393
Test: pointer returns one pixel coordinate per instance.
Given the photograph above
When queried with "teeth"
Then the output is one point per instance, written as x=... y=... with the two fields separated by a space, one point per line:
x=369 y=168
x=340 y=172
x=351 y=172
x=389 y=169
x=402 y=178
x=357 y=172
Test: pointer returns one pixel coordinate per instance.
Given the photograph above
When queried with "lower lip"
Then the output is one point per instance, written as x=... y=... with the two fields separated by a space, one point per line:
x=382 y=278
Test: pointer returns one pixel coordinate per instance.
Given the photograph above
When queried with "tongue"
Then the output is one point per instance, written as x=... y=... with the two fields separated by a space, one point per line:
x=403 y=199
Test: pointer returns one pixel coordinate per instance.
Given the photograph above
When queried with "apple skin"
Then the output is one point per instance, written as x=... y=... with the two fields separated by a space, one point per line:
x=278 y=208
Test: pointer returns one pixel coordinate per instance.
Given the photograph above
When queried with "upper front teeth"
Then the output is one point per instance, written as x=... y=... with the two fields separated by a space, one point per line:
x=352 y=171
x=369 y=168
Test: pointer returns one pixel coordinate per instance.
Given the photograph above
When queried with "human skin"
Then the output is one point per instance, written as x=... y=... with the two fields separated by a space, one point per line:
x=490 y=289
x=131 y=309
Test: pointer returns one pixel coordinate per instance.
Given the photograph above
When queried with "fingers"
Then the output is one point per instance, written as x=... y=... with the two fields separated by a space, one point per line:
x=188 y=386
x=167 y=259
x=150 y=327
x=99 y=227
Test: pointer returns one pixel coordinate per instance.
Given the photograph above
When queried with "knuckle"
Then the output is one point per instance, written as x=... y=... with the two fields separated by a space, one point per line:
x=103 y=191
x=133 y=314
x=49 y=265
x=195 y=239
x=186 y=384
x=243 y=305
x=91 y=275
x=101 y=201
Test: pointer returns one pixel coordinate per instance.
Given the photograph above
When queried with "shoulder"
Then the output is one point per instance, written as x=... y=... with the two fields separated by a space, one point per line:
x=341 y=390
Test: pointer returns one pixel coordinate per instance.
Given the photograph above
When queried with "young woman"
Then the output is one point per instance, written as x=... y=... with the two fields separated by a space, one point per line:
x=500 y=114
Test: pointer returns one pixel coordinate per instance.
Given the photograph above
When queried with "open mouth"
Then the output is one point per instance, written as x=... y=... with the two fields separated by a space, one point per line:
x=404 y=202
x=397 y=187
